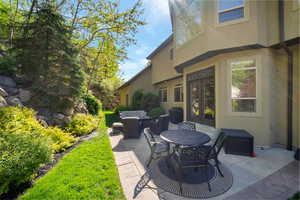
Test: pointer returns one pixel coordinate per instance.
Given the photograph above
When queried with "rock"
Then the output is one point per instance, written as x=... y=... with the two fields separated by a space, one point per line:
x=68 y=111
x=3 y=102
x=81 y=108
x=3 y=93
x=7 y=81
x=58 y=119
x=58 y=116
x=67 y=119
x=24 y=95
x=43 y=122
x=14 y=101
x=11 y=91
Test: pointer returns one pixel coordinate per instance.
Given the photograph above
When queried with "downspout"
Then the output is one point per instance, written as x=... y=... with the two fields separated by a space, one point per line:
x=290 y=76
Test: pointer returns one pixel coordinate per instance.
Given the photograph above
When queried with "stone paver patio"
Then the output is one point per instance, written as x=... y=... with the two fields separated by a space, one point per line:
x=132 y=154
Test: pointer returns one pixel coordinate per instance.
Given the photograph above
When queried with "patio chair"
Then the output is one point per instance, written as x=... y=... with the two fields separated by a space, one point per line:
x=131 y=127
x=186 y=125
x=156 y=148
x=200 y=158
x=162 y=124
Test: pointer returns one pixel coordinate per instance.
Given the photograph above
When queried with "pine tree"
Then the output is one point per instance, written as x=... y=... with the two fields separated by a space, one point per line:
x=49 y=59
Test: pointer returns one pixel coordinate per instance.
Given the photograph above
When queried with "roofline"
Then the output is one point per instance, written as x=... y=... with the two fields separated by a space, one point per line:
x=179 y=68
x=169 y=79
x=162 y=45
x=134 y=77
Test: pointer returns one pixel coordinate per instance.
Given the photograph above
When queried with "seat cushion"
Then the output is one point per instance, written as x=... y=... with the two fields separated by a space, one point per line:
x=117 y=124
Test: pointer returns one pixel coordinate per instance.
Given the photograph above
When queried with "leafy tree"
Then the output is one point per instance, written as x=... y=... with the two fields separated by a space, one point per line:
x=137 y=99
x=49 y=59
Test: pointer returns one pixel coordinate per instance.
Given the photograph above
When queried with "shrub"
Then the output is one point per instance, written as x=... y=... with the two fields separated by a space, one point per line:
x=21 y=155
x=150 y=101
x=82 y=124
x=8 y=65
x=137 y=99
x=21 y=120
x=122 y=108
x=93 y=104
x=156 y=112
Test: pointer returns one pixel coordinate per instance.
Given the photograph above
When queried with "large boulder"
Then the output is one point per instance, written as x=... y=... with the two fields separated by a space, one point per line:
x=81 y=108
x=3 y=93
x=11 y=91
x=58 y=119
x=24 y=95
x=7 y=81
x=3 y=102
x=68 y=111
x=14 y=101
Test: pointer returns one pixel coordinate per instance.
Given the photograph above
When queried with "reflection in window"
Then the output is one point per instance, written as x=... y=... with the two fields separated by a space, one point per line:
x=187 y=19
x=163 y=94
x=178 y=93
x=229 y=10
x=243 y=86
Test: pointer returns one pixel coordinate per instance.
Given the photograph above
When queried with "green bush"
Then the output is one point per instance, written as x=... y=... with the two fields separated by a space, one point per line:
x=82 y=124
x=150 y=101
x=93 y=104
x=122 y=108
x=8 y=65
x=21 y=155
x=137 y=99
x=156 y=112
x=21 y=120
x=296 y=196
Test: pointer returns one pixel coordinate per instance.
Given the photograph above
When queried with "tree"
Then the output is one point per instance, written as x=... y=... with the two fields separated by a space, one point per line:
x=49 y=59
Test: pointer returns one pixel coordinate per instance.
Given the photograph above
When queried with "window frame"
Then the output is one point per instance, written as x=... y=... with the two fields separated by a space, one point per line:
x=258 y=105
x=161 y=98
x=181 y=93
x=235 y=21
x=296 y=5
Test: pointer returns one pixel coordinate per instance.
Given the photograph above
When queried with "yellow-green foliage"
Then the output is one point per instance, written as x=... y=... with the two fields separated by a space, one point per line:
x=22 y=121
x=82 y=124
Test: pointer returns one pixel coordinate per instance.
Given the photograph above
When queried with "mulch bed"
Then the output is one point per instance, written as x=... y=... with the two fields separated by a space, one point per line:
x=15 y=192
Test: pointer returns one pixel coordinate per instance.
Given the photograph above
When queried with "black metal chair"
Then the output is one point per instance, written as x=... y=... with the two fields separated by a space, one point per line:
x=131 y=127
x=162 y=124
x=186 y=125
x=199 y=158
x=156 y=148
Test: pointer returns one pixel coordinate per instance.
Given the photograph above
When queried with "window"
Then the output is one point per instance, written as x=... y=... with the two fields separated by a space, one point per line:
x=296 y=4
x=178 y=93
x=243 y=86
x=230 y=10
x=187 y=20
x=163 y=95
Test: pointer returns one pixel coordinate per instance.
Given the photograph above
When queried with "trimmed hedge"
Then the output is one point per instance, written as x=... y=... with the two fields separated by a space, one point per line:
x=122 y=108
x=82 y=124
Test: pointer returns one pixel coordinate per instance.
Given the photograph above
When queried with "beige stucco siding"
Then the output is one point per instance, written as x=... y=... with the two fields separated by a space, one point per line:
x=265 y=125
x=170 y=85
x=162 y=65
x=143 y=81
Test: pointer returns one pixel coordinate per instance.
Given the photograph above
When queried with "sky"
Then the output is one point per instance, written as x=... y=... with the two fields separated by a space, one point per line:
x=149 y=36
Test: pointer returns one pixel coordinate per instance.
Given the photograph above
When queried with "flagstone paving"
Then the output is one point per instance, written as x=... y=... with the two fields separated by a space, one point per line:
x=132 y=154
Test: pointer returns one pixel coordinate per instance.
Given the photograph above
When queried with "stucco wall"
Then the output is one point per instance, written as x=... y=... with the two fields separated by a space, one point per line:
x=162 y=65
x=279 y=97
x=170 y=86
x=143 y=81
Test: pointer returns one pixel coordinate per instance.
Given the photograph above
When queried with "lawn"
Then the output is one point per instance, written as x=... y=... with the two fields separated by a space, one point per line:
x=87 y=172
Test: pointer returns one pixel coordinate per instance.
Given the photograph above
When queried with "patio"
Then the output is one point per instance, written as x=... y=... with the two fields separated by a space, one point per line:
x=270 y=175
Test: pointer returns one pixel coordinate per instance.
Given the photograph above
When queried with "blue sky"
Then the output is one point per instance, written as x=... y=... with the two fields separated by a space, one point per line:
x=149 y=37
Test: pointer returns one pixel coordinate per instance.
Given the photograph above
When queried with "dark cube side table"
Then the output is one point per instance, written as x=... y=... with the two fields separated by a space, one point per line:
x=238 y=142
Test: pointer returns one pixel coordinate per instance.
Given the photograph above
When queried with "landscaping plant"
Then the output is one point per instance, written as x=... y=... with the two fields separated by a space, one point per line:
x=93 y=104
x=150 y=101
x=137 y=97
x=82 y=124
x=156 y=112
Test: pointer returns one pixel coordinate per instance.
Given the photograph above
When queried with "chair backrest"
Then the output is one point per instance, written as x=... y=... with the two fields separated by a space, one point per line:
x=187 y=126
x=219 y=142
x=131 y=127
x=149 y=137
x=163 y=122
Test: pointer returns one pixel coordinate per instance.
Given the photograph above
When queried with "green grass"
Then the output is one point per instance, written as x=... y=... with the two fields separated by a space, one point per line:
x=87 y=172
x=110 y=118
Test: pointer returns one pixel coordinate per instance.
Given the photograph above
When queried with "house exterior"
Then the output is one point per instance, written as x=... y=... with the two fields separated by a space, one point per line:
x=231 y=64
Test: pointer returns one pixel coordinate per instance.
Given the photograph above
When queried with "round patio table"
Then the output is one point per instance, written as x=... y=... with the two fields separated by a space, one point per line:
x=185 y=137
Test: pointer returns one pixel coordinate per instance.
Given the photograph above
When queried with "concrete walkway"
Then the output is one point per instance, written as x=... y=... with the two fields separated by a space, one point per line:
x=132 y=154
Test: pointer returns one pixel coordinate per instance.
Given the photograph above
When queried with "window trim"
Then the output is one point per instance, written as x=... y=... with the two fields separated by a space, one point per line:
x=161 y=98
x=235 y=21
x=181 y=93
x=258 y=98
x=296 y=5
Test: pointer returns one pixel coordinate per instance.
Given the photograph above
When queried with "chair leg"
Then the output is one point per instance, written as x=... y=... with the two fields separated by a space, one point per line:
x=179 y=177
x=207 y=178
x=150 y=160
x=218 y=168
